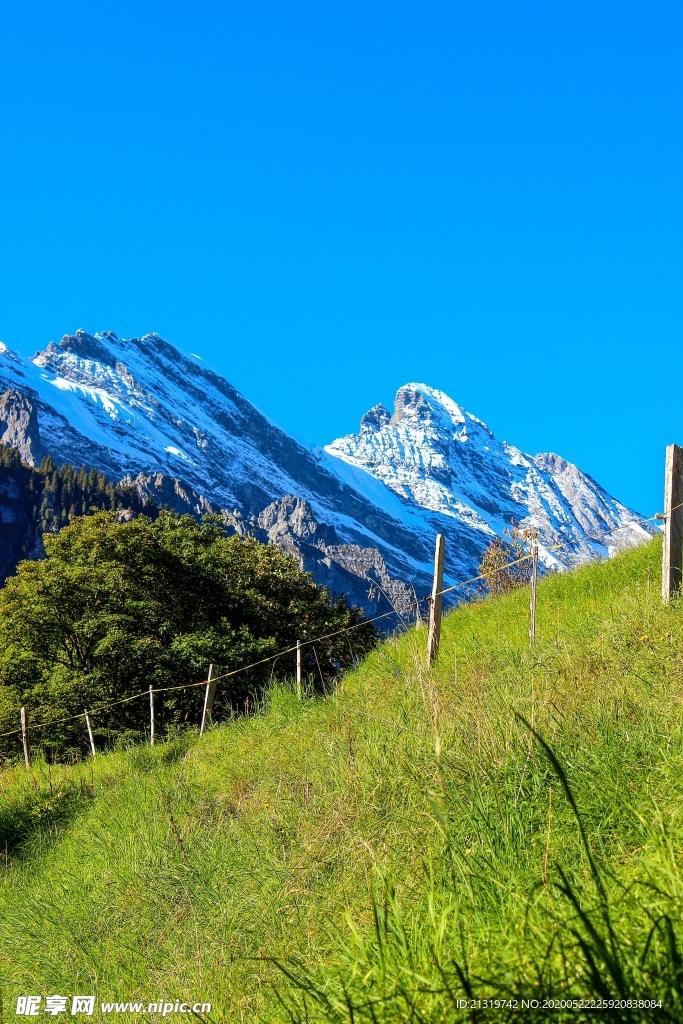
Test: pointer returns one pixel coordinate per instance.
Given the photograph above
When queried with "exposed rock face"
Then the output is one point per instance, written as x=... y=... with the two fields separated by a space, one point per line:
x=19 y=426
x=368 y=507
x=290 y=521
x=168 y=492
x=18 y=537
x=375 y=418
x=359 y=573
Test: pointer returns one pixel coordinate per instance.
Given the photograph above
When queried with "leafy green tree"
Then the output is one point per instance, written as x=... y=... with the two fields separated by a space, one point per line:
x=118 y=606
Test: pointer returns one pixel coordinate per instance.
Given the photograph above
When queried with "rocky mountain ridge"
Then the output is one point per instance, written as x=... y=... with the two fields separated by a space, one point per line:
x=361 y=515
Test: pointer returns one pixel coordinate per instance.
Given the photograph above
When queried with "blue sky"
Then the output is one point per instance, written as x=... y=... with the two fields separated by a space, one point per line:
x=327 y=201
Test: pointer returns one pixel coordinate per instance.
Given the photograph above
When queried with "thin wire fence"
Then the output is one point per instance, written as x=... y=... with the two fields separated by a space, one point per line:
x=303 y=643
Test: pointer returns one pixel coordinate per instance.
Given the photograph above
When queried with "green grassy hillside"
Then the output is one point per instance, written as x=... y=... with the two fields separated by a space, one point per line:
x=376 y=855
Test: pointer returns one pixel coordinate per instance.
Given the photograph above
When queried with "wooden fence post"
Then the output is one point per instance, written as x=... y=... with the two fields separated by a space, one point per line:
x=23 y=715
x=435 y=604
x=92 y=742
x=208 y=697
x=151 y=716
x=299 y=686
x=672 y=548
x=534 y=580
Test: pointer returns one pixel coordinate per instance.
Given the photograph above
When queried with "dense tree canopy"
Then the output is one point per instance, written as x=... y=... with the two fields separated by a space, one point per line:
x=118 y=606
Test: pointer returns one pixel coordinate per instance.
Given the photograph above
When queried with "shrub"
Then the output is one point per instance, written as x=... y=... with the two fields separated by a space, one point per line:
x=501 y=576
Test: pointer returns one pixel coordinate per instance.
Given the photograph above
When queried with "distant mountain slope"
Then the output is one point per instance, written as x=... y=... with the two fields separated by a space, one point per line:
x=362 y=515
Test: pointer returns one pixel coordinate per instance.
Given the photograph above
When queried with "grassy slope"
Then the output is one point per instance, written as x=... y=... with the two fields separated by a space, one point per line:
x=375 y=839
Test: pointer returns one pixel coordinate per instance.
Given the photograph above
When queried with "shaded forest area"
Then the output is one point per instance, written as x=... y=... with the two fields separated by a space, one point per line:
x=35 y=501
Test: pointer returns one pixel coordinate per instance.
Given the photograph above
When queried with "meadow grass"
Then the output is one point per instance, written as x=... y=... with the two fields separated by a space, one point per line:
x=505 y=825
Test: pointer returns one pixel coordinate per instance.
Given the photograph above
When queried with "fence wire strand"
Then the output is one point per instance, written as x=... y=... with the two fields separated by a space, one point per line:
x=304 y=643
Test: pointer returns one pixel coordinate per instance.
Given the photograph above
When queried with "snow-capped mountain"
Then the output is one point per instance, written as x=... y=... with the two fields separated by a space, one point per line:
x=444 y=460
x=361 y=515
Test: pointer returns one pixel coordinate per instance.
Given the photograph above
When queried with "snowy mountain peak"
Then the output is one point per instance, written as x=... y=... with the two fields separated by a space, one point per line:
x=438 y=457
x=92 y=353
x=375 y=499
x=375 y=418
x=417 y=438
x=421 y=404
x=420 y=407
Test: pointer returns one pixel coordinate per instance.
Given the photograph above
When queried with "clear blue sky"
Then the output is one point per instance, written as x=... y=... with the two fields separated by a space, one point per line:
x=327 y=200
